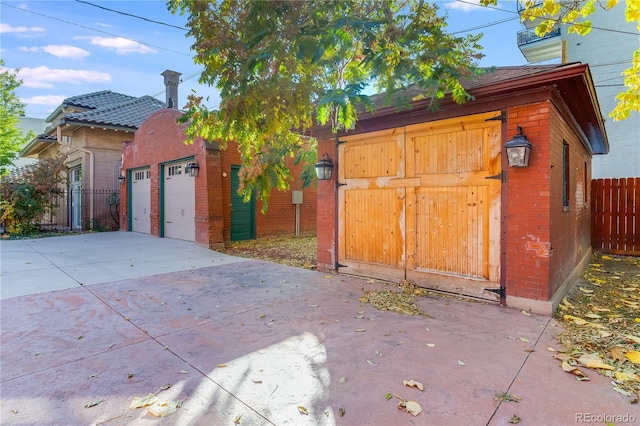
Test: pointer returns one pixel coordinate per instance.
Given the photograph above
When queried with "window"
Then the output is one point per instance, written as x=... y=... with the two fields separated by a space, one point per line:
x=566 y=189
x=175 y=170
x=585 y=189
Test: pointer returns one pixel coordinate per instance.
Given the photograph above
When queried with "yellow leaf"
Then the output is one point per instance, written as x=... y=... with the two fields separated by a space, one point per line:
x=627 y=376
x=303 y=410
x=164 y=409
x=633 y=356
x=594 y=361
x=411 y=407
x=605 y=257
x=461 y=363
x=575 y=320
x=586 y=290
x=327 y=276
x=593 y=316
x=143 y=401
x=413 y=384
x=222 y=365
x=637 y=320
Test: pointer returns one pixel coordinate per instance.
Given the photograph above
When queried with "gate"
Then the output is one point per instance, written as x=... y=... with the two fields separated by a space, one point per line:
x=615 y=216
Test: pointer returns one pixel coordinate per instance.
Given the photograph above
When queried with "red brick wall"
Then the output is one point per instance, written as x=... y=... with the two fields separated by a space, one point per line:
x=570 y=228
x=160 y=139
x=528 y=190
x=545 y=242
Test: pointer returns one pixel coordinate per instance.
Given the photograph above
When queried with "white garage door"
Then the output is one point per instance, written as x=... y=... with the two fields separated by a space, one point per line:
x=179 y=202
x=141 y=201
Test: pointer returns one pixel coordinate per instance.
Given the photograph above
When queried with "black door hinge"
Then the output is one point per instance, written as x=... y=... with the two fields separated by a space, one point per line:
x=339 y=142
x=340 y=265
x=502 y=176
x=502 y=291
x=502 y=117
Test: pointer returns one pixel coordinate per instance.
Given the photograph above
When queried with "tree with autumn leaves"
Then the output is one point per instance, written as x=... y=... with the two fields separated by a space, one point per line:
x=283 y=66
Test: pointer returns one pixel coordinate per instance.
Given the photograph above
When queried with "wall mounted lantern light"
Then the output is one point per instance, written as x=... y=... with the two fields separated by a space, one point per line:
x=192 y=169
x=121 y=179
x=518 y=150
x=324 y=168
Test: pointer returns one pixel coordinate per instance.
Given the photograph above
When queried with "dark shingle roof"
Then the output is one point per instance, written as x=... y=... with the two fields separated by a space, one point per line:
x=102 y=99
x=130 y=112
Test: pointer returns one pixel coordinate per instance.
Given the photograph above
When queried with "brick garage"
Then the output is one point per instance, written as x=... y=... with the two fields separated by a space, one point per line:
x=526 y=243
x=160 y=142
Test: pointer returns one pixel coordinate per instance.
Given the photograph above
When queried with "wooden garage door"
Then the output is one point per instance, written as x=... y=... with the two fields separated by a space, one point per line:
x=179 y=205
x=417 y=204
x=141 y=200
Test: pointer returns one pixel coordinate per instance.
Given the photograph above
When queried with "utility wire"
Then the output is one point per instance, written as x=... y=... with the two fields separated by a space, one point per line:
x=96 y=30
x=131 y=15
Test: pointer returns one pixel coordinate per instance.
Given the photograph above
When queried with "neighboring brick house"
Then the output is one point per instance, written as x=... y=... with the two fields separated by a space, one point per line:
x=89 y=130
x=428 y=196
x=159 y=197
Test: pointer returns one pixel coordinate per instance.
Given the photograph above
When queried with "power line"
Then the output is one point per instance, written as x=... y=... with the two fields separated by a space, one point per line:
x=131 y=15
x=96 y=30
x=490 y=24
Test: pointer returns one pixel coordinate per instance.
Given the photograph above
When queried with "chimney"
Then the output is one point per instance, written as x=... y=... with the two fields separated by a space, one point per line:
x=171 y=80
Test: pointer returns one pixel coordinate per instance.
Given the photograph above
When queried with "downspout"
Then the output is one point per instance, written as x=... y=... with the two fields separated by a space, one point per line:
x=91 y=167
x=336 y=207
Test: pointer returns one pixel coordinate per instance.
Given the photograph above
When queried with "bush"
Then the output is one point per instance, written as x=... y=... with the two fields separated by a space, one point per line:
x=24 y=202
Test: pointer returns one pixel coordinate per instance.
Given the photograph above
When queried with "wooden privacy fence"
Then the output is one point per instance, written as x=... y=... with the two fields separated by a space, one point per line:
x=615 y=216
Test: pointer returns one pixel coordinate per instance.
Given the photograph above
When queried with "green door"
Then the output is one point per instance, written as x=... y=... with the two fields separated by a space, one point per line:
x=243 y=215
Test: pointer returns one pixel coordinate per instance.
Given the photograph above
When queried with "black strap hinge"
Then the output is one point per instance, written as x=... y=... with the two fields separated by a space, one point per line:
x=339 y=142
x=502 y=117
x=340 y=265
x=502 y=176
x=501 y=291
x=339 y=184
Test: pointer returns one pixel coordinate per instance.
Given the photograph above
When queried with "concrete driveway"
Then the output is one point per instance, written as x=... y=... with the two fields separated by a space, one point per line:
x=89 y=322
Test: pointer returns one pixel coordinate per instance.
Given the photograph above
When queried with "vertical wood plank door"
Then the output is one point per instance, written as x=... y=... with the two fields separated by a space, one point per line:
x=370 y=206
x=455 y=217
x=417 y=204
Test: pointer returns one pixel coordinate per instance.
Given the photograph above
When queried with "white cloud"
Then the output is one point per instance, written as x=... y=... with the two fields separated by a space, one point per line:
x=21 y=31
x=47 y=77
x=465 y=6
x=122 y=46
x=44 y=100
x=60 y=51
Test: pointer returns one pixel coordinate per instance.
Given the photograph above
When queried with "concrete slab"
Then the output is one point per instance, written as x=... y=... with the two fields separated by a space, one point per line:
x=250 y=342
x=36 y=265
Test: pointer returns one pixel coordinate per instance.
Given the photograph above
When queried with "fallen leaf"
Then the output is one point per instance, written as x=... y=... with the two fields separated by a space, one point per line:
x=585 y=290
x=236 y=421
x=605 y=257
x=184 y=372
x=411 y=407
x=507 y=397
x=164 y=409
x=341 y=411
x=80 y=337
x=617 y=354
x=431 y=345
x=593 y=316
x=303 y=410
x=388 y=396
x=93 y=403
x=631 y=338
x=461 y=363
x=143 y=401
x=574 y=370
x=623 y=376
x=525 y=340
x=550 y=349
x=514 y=419
x=526 y=313
x=343 y=379
x=633 y=356
x=594 y=361
x=327 y=276
x=360 y=330
x=413 y=384
x=222 y=365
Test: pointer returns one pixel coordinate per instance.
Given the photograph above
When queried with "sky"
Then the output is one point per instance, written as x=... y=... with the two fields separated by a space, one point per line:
x=68 y=48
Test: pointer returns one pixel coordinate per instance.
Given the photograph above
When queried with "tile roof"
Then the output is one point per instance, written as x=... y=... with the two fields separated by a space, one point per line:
x=95 y=100
x=119 y=111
